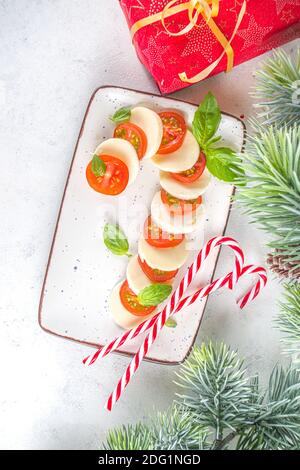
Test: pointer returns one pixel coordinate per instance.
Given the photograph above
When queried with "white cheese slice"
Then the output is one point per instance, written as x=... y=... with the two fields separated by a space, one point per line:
x=185 y=191
x=165 y=259
x=182 y=159
x=123 y=150
x=150 y=122
x=120 y=315
x=175 y=223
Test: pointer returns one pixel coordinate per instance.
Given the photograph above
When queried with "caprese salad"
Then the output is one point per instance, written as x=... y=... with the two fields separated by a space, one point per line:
x=180 y=154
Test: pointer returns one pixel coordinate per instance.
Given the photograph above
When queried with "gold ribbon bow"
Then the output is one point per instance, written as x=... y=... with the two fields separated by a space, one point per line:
x=208 y=9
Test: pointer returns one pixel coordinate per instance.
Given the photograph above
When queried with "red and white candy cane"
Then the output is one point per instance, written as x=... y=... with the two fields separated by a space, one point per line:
x=190 y=274
x=176 y=303
x=262 y=281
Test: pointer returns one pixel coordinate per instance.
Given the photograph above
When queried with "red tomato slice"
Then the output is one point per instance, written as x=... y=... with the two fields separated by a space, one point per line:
x=156 y=275
x=191 y=175
x=155 y=236
x=115 y=179
x=130 y=302
x=135 y=135
x=180 y=206
x=173 y=133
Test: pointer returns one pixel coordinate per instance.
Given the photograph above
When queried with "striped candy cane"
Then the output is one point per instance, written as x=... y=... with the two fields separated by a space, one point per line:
x=262 y=281
x=190 y=274
x=175 y=298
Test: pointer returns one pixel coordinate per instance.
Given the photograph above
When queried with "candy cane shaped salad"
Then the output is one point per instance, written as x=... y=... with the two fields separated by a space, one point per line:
x=187 y=157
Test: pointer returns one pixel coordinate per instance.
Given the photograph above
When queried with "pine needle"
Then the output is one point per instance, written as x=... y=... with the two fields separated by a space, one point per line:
x=130 y=437
x=174 y=429
x=177 y=429
x=216 y=387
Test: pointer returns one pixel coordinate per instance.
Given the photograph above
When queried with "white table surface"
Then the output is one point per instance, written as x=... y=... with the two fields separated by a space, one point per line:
x=53 y=54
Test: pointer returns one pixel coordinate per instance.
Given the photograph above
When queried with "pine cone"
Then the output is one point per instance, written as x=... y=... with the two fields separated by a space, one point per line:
x=283 y=267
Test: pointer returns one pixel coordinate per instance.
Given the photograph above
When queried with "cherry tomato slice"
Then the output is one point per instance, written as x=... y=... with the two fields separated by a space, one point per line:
x=135 y=135
x=156 y=275
x=115 y=179
x=155 y=236
x=130 y=302
x=191 y=175
x=173 y=133
x=180 y=206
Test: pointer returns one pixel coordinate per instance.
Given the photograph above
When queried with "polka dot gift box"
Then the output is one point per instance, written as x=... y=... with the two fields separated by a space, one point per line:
x=182 y=42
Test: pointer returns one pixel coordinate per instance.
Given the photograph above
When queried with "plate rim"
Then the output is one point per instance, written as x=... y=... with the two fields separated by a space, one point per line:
x=40 y=307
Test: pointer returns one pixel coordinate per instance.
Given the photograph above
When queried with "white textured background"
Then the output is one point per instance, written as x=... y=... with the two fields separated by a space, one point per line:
x=53 y=54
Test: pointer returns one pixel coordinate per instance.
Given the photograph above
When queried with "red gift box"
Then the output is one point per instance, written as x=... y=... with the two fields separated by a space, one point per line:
x=177 y=60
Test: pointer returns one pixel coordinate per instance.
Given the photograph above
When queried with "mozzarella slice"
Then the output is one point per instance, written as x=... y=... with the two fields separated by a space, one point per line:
x=182 y=159
x=150 y=122
x=175 y=223
x=166 y=259
x=120 y=315
x=185 y=191
x=123 y=150
x=136 y=277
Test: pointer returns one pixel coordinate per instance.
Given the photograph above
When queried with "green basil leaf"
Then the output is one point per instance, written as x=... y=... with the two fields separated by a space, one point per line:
x=212 y=141
x=171 y=323
x=154 y=294
x=98 y=166
x=122 y=115
x=206 y=120
x=225 y=165
x=115 y=240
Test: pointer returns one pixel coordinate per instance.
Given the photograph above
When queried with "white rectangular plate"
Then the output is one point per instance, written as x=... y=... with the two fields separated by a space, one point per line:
x=81 y=272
